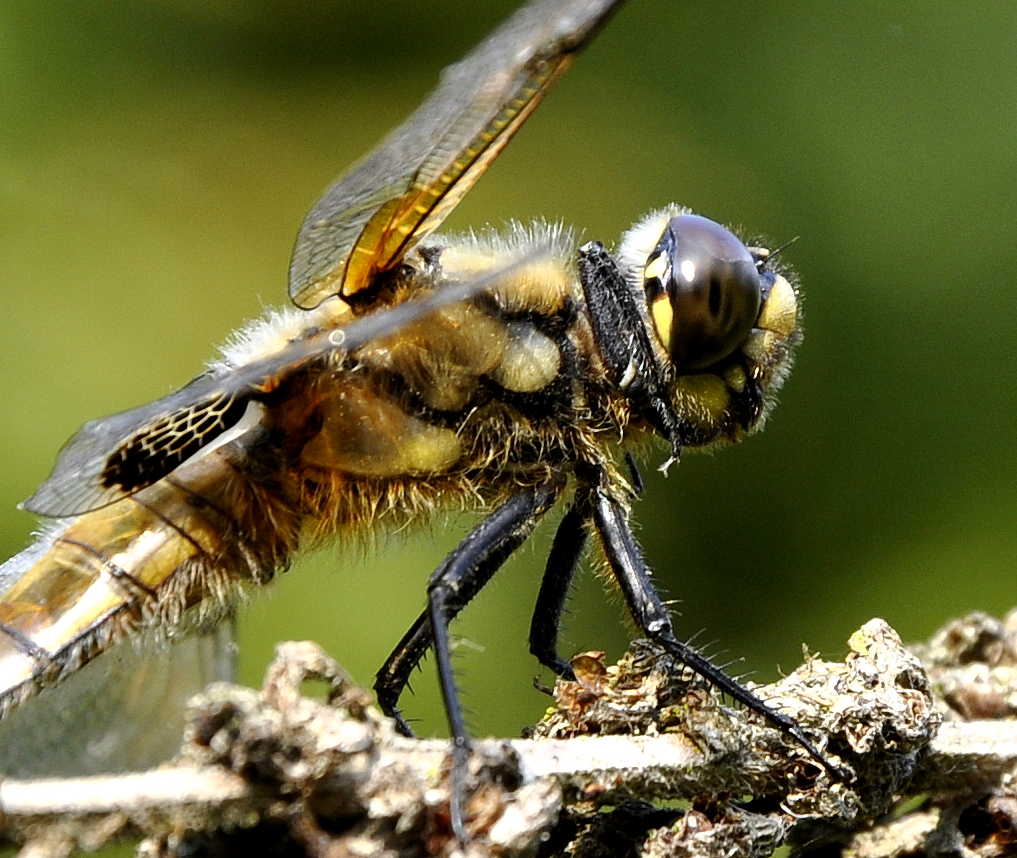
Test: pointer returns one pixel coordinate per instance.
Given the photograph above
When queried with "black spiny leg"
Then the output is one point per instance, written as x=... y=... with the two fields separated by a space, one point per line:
x=459 y=578
x=566 y=552
x=394 y=676
x=638 y=486
x=562 y=563
x=650 y=614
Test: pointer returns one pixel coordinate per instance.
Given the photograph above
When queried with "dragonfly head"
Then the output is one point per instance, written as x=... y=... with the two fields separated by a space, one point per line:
x=724 y=318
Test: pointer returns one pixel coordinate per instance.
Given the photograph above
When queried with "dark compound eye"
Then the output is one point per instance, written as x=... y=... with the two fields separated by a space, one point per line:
x=703 y=290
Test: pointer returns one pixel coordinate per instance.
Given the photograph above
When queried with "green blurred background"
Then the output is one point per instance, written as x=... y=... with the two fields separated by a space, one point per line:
x=156 y=160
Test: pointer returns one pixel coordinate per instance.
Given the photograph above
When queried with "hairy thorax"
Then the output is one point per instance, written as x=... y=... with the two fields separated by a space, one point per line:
x=461 y=408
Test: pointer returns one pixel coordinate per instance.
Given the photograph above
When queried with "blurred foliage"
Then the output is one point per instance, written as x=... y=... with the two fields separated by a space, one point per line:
x=157 y=159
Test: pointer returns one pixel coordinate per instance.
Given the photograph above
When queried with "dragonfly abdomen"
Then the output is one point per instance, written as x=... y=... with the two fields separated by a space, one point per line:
x=145 y=561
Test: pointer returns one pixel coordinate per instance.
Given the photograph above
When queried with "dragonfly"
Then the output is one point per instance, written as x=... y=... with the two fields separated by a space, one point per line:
x=510 y=372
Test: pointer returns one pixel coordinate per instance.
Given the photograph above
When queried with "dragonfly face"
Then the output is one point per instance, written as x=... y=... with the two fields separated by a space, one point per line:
x=419 y=371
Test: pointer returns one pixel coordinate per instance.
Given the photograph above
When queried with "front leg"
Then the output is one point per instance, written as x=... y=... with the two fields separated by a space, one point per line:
x=562 y=562
x=651 y=615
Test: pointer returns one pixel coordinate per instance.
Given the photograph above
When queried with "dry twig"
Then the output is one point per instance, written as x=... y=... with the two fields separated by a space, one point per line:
x=602 y=774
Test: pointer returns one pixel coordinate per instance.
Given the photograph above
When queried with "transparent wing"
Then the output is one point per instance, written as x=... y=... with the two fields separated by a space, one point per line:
x=367 y=221
x=122 y=712
x=114 y=457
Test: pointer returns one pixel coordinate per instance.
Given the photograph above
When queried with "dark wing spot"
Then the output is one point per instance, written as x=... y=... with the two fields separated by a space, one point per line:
x=158 y=449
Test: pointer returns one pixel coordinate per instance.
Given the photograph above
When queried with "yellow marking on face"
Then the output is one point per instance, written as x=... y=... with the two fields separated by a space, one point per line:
x=734 y=377
x=758 y=346
x=703 y=398
x=780 y=312
x=655 y=268
x=663 y=318
x=531 y=360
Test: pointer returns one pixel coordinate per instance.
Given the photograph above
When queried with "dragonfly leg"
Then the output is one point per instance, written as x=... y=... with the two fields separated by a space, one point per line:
x=562 y=562
x=651 y=615
x=394 y=676
x=459 y=578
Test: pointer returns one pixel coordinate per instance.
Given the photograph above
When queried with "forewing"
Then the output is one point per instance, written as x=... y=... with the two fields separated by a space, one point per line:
x=367 y=221
x=116 y=456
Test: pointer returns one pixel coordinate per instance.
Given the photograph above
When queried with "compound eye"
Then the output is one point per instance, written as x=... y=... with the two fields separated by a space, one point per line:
x=704 y=292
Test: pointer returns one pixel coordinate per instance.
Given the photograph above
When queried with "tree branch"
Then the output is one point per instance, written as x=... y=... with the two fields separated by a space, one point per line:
x=599 y=775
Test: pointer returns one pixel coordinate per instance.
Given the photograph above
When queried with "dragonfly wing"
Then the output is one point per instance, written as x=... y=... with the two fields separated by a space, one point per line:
x=122 y=712
x=114 y=457
x=367 y=221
